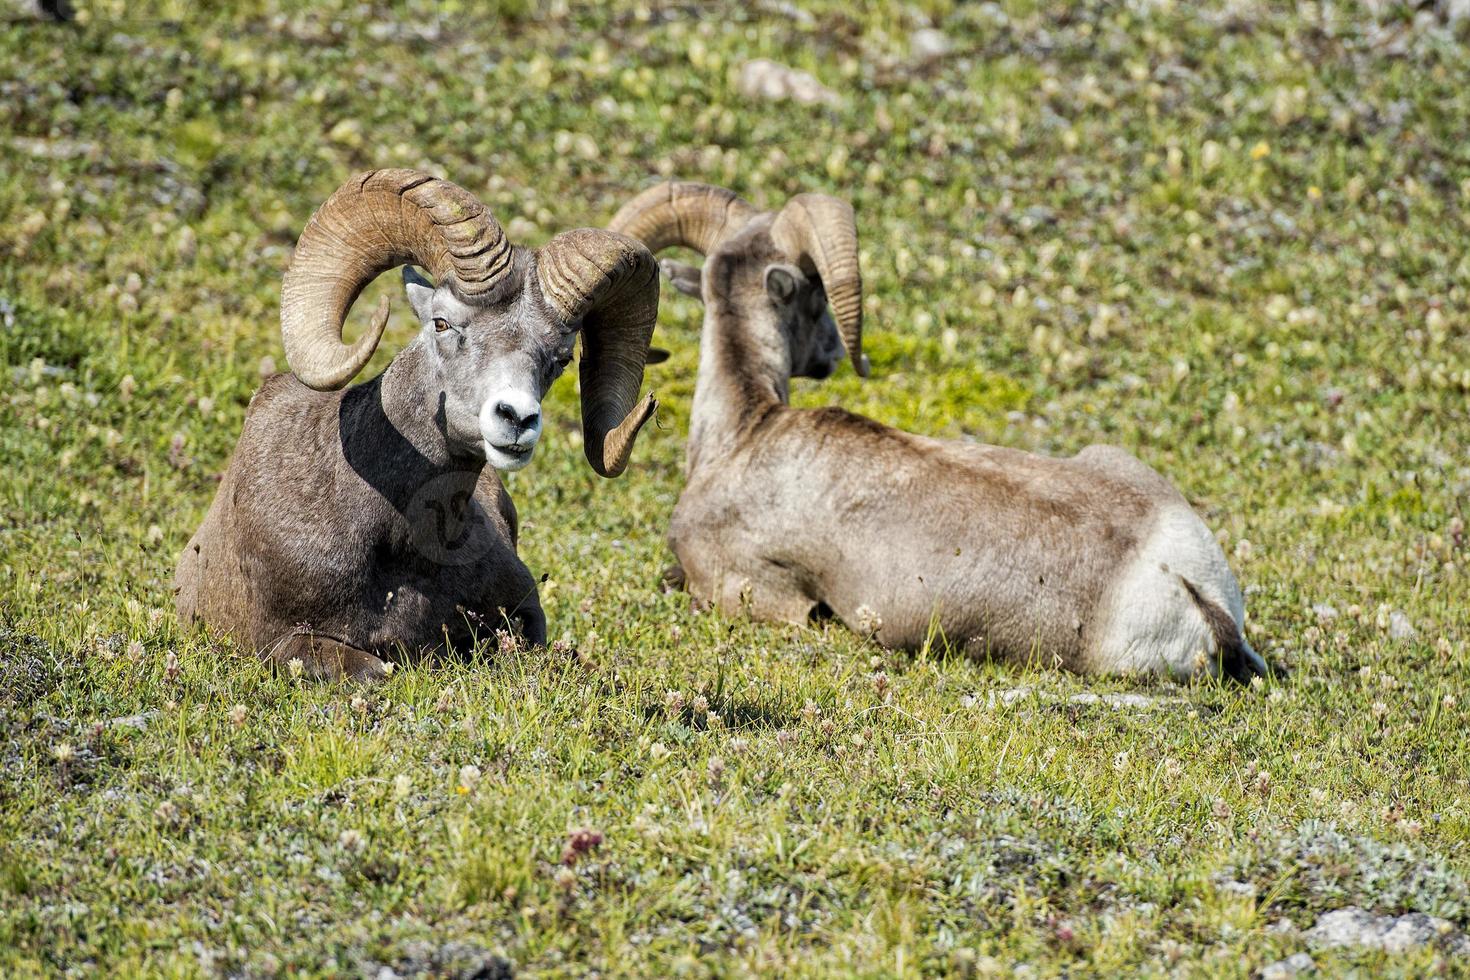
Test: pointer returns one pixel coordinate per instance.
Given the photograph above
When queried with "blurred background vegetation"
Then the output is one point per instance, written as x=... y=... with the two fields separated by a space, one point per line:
x=1231 y=237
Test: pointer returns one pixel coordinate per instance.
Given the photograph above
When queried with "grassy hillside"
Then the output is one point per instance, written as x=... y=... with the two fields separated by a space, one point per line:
x=1230 y=238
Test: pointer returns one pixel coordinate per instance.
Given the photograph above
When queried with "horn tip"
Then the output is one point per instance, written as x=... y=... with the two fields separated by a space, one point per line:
x=617 y=445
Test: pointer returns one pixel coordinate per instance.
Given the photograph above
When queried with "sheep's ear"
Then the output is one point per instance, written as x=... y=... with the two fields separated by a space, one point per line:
x=684 y=278
x=781 y=283
x=420 y=291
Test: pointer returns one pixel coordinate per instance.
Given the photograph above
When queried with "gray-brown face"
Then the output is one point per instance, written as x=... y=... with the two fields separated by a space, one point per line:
x=800 y=304
x=493 y=361
x=801 y=308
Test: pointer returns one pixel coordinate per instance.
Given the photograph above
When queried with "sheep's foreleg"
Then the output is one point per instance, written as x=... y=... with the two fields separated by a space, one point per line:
x=325 y=659
x=771 y=594
x=532 y=623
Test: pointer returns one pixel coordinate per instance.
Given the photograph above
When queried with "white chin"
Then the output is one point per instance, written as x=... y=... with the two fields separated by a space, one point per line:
x=504 y=461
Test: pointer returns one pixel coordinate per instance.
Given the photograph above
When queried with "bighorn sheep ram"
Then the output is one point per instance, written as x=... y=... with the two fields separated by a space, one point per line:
x=354 y=525
x=1094 y=563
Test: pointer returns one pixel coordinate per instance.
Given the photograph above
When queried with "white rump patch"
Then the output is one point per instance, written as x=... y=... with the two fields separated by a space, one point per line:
x=1149 y=622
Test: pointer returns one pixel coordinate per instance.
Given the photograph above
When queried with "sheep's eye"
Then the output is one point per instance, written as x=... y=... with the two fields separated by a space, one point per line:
x=440 y=324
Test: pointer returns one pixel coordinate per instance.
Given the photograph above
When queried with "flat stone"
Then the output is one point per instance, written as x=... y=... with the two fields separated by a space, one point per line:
x=139 y=721
x=1118 y=701
x=1357 y=927
x=1137 y=702
x=927 y=43
x=1289 y=967
x=766 y=79
x=1232 y=887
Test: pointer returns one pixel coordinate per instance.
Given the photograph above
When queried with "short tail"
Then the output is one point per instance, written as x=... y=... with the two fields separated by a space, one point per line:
x=1237 y=660
x=674 y=579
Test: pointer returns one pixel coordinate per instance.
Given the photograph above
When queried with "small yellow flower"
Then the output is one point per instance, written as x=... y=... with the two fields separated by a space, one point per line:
x=1314 y=192
x=1261 y=150
x=462 y=789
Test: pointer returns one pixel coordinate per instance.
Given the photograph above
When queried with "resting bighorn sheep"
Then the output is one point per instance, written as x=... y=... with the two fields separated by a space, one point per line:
x=354 y=524
x=1095 y=562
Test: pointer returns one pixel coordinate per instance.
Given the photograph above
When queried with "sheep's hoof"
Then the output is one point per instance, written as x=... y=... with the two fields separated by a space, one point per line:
x=366 y=668
x=673 y=578
x=319 y=658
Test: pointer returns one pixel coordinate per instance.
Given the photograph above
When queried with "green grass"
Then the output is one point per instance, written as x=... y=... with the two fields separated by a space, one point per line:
x=1234 y=242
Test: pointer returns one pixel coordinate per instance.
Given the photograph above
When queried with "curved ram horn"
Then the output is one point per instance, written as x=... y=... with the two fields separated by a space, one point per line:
x=697 y=216
x=819 y=232
x=610 y=283
x=373 y=222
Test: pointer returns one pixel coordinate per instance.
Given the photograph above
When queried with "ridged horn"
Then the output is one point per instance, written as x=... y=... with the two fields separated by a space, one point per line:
x=819 y=232
x=697 y=216
x=609 y=282
x=373 y=222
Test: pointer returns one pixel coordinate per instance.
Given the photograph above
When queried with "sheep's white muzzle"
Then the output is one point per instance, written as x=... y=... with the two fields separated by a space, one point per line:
x=510 y=425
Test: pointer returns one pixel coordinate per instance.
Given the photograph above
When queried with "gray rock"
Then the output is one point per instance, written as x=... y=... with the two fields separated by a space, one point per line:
x=1137 y=702
x=1118 y=701
x=766 y=79
x=1009 y=696
x=139 y=721
x=1289 y=967
x=1232 y=887
x=789 y=10
x=928 y=43
x=421 y=958
x=1353 y=926
x=57 y=149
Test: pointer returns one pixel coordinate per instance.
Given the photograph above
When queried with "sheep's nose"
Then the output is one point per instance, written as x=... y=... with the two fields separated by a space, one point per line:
x=515 y=416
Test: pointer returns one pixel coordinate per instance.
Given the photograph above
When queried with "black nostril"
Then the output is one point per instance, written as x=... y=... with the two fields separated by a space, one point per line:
x=508 y=413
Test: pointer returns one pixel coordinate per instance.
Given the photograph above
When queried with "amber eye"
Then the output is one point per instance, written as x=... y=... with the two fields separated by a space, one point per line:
x=440 y=324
